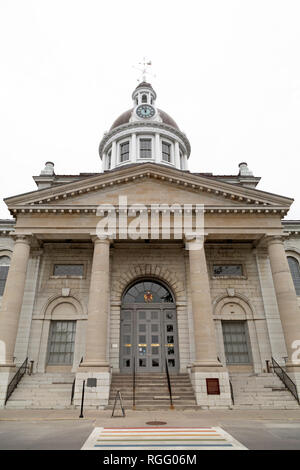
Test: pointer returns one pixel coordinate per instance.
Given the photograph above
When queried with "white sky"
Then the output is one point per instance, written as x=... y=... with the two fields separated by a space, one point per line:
x=227 y=71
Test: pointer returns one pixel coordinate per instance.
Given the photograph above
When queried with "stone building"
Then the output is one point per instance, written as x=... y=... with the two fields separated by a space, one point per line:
x=150 y=295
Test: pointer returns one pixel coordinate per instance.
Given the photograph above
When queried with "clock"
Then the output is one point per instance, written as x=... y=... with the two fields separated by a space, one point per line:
x=145 y=111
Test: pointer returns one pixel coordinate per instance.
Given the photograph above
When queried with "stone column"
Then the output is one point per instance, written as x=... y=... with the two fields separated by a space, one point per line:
x=177 y=155
x=12 y=300
x=206 y=365
x=10 y=311
x=157 y=148
x=96 y=336
x=286 y=296
x=204 y=330
x=95 y=364
x=114 y=155
x=133 y=148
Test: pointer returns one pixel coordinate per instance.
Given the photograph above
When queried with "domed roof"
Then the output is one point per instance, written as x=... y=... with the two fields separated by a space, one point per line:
x=125 y=117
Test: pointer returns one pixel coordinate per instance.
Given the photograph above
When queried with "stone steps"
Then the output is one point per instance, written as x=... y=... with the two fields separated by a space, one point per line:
x=152 y=391
x=261 y=391
x=42 y=391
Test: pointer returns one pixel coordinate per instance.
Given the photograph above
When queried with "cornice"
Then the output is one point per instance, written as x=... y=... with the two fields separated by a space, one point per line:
x=92 y=209
x=181 y=179
x=137 y=124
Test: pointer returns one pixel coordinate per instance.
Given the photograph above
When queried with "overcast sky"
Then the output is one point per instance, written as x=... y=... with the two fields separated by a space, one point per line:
x=227 y=71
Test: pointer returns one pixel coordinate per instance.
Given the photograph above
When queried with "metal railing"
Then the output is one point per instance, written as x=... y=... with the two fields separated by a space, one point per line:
x=73 y=385
x=133 y=385
x=82 y=400
x=73 y=391
x=285 y=378
x=169 y=386
x=231 y=392
x=16 y=379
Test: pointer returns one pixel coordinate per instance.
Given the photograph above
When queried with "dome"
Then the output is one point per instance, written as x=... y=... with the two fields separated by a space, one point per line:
x=125 y=117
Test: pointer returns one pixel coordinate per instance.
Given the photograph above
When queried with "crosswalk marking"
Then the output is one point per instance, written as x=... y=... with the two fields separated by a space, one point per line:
x=161 y=438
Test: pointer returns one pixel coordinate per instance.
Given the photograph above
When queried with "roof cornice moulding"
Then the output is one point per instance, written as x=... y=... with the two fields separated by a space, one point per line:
x=186 y=180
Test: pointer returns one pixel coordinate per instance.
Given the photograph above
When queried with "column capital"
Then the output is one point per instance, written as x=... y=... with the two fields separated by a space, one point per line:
x=105 y=241
x=26 y=239
x=193 y=244
x=272 y=239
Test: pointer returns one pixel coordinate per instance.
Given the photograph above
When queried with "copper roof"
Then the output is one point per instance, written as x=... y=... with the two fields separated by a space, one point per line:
x=124 y=119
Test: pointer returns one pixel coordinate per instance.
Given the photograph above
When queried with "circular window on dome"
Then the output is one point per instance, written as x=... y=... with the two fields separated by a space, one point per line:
x=145 y=111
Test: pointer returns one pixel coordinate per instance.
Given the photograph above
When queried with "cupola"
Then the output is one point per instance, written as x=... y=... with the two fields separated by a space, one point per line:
x=144 y=133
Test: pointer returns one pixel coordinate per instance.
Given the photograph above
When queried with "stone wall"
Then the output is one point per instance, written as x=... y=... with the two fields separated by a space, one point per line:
x=253 y=294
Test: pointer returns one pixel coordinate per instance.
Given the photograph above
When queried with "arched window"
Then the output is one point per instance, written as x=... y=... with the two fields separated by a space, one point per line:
x=146 y=292
x=144 y=99
x=4 y=266
x=295 y=272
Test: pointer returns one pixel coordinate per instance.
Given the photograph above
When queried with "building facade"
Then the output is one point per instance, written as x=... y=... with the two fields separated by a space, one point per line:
x=102 y=274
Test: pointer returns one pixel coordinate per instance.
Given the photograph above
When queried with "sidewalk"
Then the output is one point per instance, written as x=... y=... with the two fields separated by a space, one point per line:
x=140 y=418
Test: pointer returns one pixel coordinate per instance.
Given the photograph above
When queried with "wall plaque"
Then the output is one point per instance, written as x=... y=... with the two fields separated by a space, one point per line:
x=91 y=383
x=213 y=386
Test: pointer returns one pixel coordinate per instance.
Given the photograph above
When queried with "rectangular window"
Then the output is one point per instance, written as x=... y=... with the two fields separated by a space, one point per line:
x=109 y=160
x=166 y=152
x=3 y=276
x=236 y=342
x=227 y=270
x=124 y=151
x=145 y=148
x=68 y=270
x=61 y=342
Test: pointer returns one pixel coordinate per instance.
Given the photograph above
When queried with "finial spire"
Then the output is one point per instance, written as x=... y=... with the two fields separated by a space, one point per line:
x=144 y=69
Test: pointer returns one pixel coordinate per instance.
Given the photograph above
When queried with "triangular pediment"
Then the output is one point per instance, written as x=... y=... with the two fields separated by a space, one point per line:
x=148 y=184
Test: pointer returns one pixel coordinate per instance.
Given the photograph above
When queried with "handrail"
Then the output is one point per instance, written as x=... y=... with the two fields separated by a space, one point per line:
x=73 y=385
x=73 y=391
x=169 y=386
x=285 y=378
x=231 y=391
x=82 y=400
x=133 y=385
x=16 y=379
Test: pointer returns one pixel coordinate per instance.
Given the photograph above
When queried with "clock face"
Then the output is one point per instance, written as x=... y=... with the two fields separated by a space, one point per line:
x=145 y=111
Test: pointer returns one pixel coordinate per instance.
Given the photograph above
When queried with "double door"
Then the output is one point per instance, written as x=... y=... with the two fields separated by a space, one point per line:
x=148 y=339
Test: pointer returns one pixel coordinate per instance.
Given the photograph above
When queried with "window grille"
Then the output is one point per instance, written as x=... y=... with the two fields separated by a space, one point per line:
x=4 y=267
x=235 y=342
x=68 y=270
x=166 y=152
x=124 y=151
x=61 y=342
x=145 y=148
x=295 y=272
x=227 y=270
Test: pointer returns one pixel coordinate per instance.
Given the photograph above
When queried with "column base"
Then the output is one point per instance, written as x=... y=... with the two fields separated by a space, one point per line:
x=7 y=371
x=199 y=383
x=95 y=397
x=94 y=366
x=213 y=366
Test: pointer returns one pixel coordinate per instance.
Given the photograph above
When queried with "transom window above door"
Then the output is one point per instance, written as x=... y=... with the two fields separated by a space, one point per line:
x=148 y=292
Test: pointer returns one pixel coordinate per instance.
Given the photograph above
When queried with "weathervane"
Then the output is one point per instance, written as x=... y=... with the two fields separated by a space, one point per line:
x=145 y=64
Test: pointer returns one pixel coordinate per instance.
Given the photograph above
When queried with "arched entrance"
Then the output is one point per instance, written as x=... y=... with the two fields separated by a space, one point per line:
x=148 y=331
